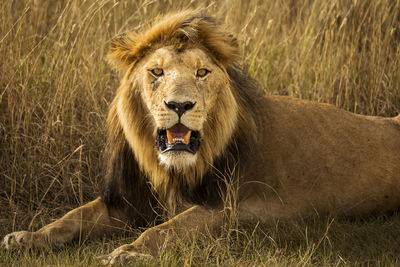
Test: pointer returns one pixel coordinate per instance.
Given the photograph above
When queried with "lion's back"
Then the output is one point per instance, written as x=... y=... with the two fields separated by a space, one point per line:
x=313 y=152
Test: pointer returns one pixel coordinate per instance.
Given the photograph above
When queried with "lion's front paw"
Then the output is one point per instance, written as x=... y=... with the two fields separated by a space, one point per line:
x=17 y=240
x=124 y=254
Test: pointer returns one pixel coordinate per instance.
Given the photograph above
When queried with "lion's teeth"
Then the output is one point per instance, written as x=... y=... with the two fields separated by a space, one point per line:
x=186 y=139
x=169 y=137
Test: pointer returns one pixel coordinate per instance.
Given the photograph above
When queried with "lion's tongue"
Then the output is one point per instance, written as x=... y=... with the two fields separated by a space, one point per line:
x=178 y=133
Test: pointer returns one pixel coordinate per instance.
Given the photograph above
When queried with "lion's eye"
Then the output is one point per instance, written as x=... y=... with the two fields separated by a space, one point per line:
x=157 y=72
x=202 y=73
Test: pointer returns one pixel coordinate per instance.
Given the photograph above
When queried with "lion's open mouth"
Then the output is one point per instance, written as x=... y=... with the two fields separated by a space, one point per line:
x=178 y=138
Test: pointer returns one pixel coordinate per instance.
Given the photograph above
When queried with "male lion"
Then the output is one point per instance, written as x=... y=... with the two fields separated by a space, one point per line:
x=186 y=126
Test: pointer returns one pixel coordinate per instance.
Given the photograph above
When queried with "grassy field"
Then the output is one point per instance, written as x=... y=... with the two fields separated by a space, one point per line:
x=55 y=87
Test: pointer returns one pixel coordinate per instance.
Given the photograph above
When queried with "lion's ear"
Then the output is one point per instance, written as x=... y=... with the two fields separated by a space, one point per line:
x=222 y=44
x=121 y=54
x=230 y=51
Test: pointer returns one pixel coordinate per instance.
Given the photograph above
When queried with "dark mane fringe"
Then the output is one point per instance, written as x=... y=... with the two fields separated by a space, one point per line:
x=125 y=188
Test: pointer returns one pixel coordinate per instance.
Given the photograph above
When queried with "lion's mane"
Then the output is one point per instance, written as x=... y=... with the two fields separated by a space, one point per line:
x=134 y=178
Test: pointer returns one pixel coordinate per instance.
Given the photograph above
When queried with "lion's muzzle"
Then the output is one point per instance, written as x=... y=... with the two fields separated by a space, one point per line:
x=178 y=138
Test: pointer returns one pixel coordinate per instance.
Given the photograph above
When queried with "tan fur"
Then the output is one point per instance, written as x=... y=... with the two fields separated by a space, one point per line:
x=284 y=157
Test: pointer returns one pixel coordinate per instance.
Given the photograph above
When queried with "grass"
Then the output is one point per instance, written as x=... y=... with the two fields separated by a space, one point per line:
x=311 y=242
x=55 y=87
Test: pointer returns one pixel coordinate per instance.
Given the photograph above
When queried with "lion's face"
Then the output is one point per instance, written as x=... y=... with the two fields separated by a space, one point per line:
x=177 y=106
x=180 y=90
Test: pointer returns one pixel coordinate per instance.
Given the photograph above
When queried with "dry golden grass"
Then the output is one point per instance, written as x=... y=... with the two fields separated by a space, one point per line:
x=55 y=87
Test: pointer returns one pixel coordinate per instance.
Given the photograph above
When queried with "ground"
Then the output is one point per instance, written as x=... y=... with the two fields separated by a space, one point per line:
x=312 y=242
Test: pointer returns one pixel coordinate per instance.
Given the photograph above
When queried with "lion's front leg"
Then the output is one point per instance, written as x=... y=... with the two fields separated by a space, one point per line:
x=89 y=219
x=195 y=220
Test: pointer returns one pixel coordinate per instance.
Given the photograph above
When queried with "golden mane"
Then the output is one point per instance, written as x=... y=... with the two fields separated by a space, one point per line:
x=180 y=29
x=233 y=117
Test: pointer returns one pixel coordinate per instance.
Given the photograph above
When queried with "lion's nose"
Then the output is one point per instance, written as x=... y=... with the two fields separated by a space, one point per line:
x=180 y=108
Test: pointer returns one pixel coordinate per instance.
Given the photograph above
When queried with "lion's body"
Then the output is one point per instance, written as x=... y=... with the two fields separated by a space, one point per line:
x=317 y=158
x=187 y=128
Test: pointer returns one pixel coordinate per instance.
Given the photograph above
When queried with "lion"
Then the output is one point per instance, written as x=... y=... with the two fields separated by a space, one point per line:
x=187 y=125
